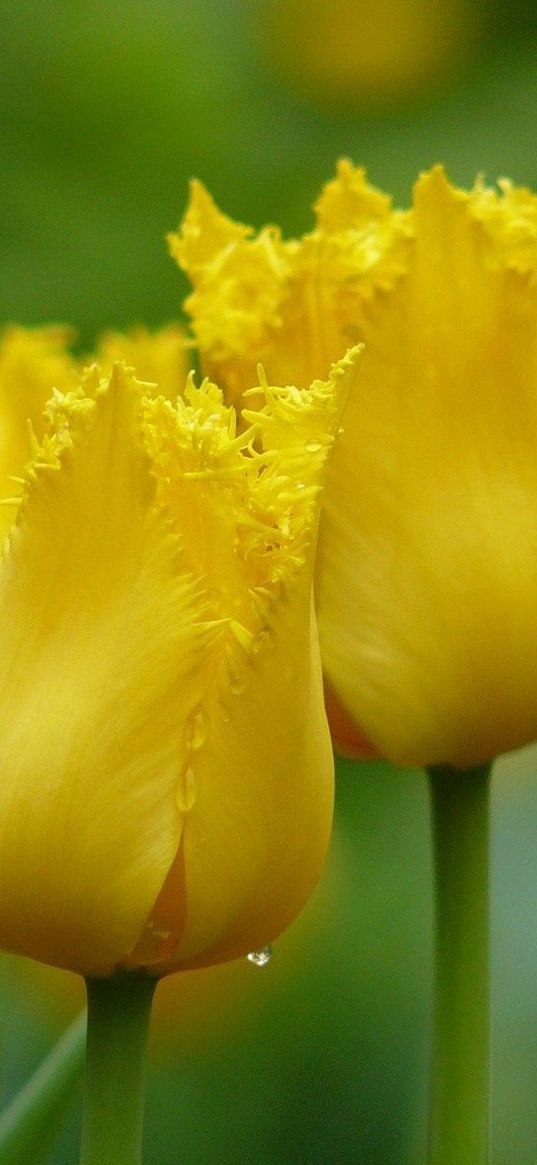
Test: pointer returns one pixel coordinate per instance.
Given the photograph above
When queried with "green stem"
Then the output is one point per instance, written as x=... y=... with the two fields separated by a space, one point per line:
x=32 y=1119
x=459 y=1132
x=119 y=1010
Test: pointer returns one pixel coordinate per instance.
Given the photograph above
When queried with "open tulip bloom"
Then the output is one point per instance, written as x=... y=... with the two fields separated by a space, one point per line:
x=166 y=788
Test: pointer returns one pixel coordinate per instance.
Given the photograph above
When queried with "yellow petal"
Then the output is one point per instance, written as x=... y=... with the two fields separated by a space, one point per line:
x=260 y=790
x=296 y=306
x=246 y=502
x=205 y=232
x=256 y=837
x=360 y=245
x=428 y=566
x=32 y=362
x=101 y=649
x=348 y=203
x=160 y=358
x=239 y=281
x=510 y=223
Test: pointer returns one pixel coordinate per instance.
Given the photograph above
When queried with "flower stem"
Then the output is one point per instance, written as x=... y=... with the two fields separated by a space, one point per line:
x=459 y=1131
x=119 y=1009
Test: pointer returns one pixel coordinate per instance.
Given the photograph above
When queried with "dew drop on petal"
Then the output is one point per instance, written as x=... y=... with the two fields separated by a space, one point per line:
x=186 y=791
x=238 y=682
x=261 y=641
x=197 y=730
x=262 y=957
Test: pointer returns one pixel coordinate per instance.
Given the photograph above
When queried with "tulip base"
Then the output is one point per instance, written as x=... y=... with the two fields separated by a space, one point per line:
x=119 y=1010
x=459 y=1131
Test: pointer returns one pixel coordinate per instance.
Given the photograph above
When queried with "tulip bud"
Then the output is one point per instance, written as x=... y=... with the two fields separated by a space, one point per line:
x=427 y=568
x=166 y=789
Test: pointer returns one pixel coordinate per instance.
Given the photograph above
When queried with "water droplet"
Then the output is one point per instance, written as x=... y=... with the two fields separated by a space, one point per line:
x=262 y=957
x=238 y=681
x=313 y=446
x=261 y=641
x=186 y=792
x=237 y=670
x=196 y=730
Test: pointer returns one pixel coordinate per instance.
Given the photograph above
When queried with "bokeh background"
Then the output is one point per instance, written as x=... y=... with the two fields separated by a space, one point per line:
x=106 y=111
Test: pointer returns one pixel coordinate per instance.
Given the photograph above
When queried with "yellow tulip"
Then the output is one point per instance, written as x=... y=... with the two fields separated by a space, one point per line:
x=353 y=54
x=427 y=573
x=166 y=785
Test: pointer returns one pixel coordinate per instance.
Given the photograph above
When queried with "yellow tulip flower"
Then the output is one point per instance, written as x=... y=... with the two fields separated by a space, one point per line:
x=166 y=788
x=427 y=573
x=354 y=54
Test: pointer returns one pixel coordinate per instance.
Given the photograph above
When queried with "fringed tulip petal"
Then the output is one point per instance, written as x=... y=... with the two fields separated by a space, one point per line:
x=238 y=282
x=102 y=646
x=428 y=568
x=159 y=358
x=260 y=803
x=293 y=305
x=32 y=363
x=257 y=833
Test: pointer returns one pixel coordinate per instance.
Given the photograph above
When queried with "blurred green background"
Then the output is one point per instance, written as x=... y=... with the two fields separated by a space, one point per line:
x=106 y=111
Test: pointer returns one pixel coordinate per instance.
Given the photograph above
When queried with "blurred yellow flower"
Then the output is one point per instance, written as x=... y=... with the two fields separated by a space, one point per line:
x=355 y=53
x=166 y=770
x=427 y=572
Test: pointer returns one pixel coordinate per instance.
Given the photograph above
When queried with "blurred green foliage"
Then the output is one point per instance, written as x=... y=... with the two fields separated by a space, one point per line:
x=106 y=111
